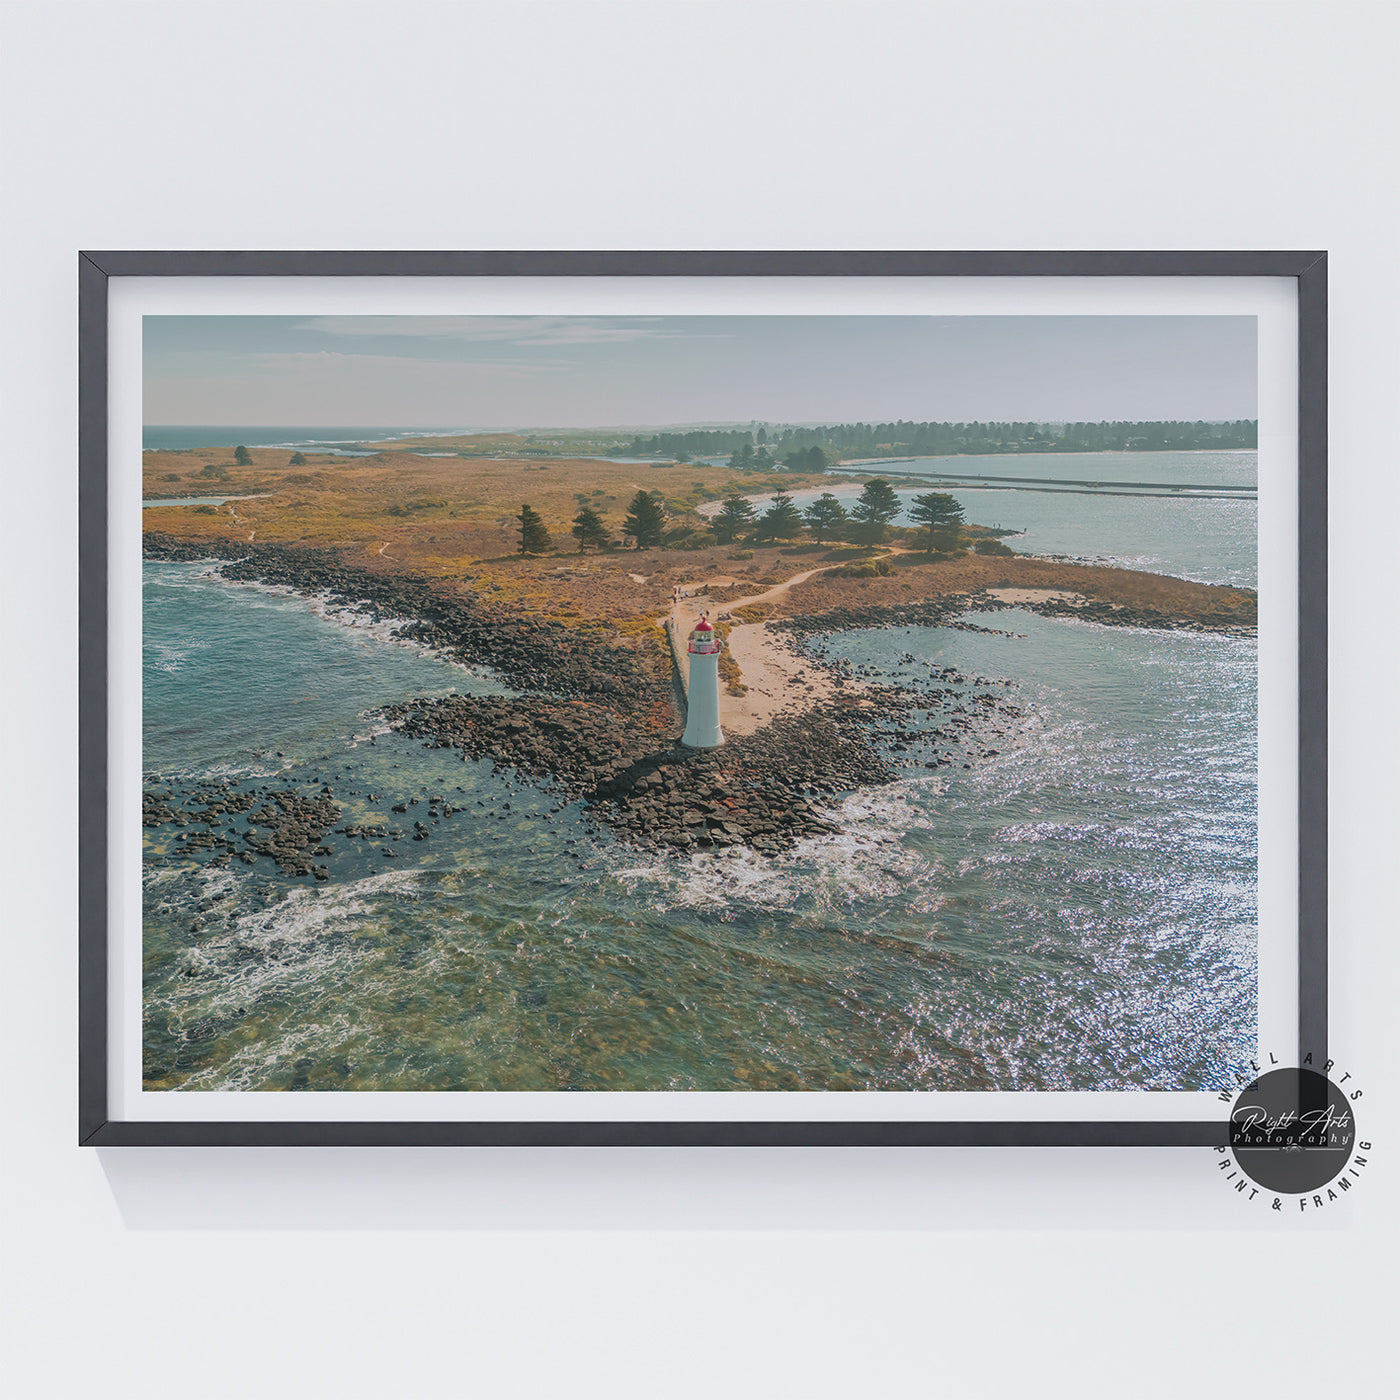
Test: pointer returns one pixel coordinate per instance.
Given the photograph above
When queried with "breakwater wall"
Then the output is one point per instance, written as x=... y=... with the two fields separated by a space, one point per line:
x=679 y=674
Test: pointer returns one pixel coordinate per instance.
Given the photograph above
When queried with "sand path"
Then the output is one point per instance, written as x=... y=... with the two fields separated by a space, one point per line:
x=778 y=680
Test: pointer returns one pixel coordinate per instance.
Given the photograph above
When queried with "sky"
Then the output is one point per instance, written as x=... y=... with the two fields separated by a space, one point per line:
x=633 y=371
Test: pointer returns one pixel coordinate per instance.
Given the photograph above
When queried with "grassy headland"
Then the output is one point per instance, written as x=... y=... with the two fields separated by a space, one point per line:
x=436 y=540
x=454 y=520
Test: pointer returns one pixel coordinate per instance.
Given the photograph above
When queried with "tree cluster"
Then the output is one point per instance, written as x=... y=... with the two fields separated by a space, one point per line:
x=645 y=525
x=867 y=522
x=808 y=448
x=944 y=439
x=702 y=442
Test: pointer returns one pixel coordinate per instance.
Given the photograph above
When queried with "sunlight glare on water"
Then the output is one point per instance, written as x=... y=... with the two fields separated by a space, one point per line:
x=1076 y=912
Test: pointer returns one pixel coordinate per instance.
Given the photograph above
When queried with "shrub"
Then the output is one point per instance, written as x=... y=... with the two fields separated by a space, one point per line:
x=870 y=568
x=741 y=554
x=752 y=612
x=991 y=546
x=403 y=507
x=206 y=510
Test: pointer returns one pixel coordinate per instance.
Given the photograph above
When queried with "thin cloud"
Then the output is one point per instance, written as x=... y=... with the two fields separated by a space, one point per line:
x=301 y=361
x=519 y=330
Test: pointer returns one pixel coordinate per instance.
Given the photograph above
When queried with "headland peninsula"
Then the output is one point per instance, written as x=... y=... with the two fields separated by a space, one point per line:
x=522 y=563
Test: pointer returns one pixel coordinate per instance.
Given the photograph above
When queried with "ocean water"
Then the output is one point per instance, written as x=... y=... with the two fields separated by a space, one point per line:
x=179 y=437
x=1205 y=527
x=1073 y=910
x=1235 y=469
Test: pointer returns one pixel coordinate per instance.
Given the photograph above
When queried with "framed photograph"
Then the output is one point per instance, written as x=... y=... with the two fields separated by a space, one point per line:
x=699 y=698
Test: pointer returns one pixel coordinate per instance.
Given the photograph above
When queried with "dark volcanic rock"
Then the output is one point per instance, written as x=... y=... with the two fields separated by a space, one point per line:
x=752 y=791
x=595 y=720
x=287 y=828
x=531 y=653
x=931 y=612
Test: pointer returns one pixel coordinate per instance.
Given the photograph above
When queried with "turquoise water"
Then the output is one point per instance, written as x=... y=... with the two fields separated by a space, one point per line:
x=1075 y=912
x=233 y=672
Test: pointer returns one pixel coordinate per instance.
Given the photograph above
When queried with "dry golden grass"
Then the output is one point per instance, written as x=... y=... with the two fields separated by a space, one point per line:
x=453 y=519
x=446 y=517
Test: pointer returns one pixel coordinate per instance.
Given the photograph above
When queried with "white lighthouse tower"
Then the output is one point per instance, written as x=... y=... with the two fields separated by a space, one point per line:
x=702 y=729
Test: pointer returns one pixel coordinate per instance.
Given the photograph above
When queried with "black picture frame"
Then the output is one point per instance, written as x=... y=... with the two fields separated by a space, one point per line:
x=96 y=1128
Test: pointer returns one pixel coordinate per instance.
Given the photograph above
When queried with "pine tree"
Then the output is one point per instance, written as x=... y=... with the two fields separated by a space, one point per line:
x=734 y=515
x=878 y=505
x=942 y=514
x=534 y=538
x=825 y=516
x=781 y=521
x=242 y=456
x=589 y=529
x=646 y=519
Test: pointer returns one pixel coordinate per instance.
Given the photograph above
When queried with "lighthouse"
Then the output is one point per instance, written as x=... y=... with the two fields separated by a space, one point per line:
x=702 y=729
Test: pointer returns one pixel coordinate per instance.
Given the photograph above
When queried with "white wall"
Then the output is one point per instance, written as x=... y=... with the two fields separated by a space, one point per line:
x=1227 y=124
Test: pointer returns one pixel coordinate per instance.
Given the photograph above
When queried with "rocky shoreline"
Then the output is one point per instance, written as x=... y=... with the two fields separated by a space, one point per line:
x=947 y=610
x=529 y=652
x=594 y=719
x=1123 y=615
x=597 y=718
x=758 y=790
x=930 y=612
x=289 y=828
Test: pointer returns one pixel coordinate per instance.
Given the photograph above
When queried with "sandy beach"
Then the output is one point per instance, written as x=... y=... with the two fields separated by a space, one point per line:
x=1035 y=595
x=778 y=680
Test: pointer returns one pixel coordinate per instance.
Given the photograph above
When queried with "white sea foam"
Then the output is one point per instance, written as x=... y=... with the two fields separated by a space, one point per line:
x=201 y=771
x=300 y=950
x=865 y=860
x=299 y=947
x=168 y=657
x=363 y=626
